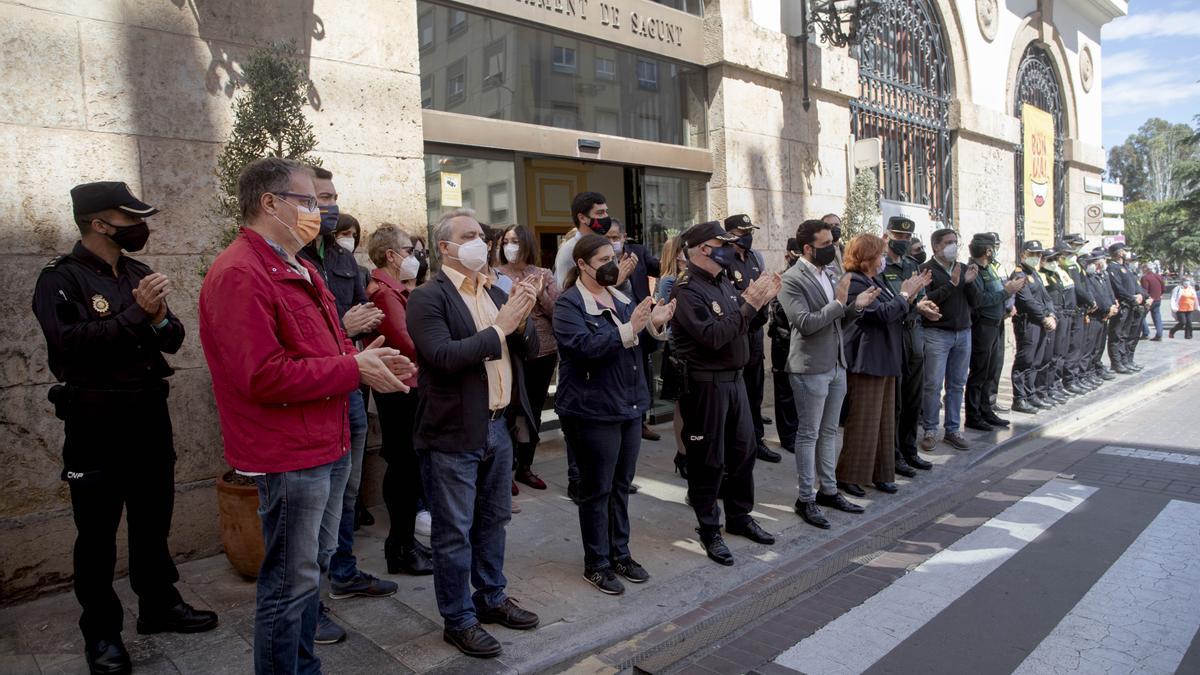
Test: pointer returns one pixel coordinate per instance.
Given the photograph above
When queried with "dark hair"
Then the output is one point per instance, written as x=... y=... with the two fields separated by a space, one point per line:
x=977 y=250
x=827 y=216
x=585 y=248
x=322 y=173
x=349 y=222
x=583 y=203
x=528 y=246
x=862 y=253
x=262 y=176
x=806 y=234
x=84 y=220
x=938 y=235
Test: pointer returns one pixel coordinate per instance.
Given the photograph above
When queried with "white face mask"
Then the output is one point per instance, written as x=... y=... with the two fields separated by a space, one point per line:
x=409 y=268
x=511 y=251
x=1032 y=261
x=473 y=254
x=617 y=246
x=950 y=252
x=881 y=266
x=346 y=243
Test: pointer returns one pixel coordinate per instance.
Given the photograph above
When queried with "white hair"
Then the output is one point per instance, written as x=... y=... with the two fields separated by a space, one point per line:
x=441 y=230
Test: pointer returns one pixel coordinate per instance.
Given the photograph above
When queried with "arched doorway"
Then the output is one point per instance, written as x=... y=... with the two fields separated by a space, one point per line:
x=905 y=77
x=1037 y=85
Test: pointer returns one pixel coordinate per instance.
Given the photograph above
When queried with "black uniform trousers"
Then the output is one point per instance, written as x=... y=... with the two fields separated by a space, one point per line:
x=1027 y=362
x=1076 y=350
x=119 y=455
x=1133 y=333
x=786 y=419
x=984 y=335
x=910 y=388
x=402 y=479
x=995 y=368
x=1062 y=346
x=718 y=433
x=1095 y=337
x=1118 y=329
x=756 y=378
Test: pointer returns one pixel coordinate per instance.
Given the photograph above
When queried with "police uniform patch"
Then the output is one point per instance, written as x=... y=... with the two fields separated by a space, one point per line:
x=737 y=276
x=716 y=308
x=100 y=304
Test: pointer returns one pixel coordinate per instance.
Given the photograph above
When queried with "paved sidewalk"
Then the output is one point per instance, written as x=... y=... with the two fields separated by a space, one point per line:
x=580 y=626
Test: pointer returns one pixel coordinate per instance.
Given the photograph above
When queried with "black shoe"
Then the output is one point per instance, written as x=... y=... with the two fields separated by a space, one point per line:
x=978 y=425
x=1157 y=338
x=633 y=489
x=766 y=454
x=107 y=656
x=328 y=631
x=1022 y=406
x=991 y=418
x=752 y=531
x=917 y=463
x=1076 y=389
x=605 y=581
x=474 y=641
x=508 y=615
x=1059 y=398
x=631 y=570
x=1137 y=367
x=364 y=585
x=362 y=517
x=1105 y=375
x=889 y=488
x=767 y=420
x=573 y=492
x=811 y=514
x=996 y=407
x=851 y=489
x=837 y=501
x=413 y=560
x=681 y=465
x=1038 y=402
x=182 y=618
x=902 y=467
x=1121 y=370
x=714 y=546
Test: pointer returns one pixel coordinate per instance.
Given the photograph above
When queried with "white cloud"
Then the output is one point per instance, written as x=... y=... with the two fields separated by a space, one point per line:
x=1153 y=24
x=1156 y=88
x=1124 y=63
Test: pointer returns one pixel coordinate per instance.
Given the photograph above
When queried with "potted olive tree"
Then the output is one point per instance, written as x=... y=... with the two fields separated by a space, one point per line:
x=862 y=206
x=268 y=121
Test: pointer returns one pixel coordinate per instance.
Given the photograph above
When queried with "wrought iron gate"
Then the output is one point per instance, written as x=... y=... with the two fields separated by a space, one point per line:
x=905 y=84
x=1038 y=86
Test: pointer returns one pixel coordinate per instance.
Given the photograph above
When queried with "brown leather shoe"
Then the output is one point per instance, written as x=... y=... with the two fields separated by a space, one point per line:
x=649 y=434
x=527 y=476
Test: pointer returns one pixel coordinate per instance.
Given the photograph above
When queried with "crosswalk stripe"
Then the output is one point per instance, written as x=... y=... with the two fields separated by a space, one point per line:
x=1140 y=617
x=856 y=640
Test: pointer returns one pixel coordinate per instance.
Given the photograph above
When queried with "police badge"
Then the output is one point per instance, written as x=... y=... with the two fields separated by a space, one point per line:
x=716 y=308
x=100 y=304
x=737 y=276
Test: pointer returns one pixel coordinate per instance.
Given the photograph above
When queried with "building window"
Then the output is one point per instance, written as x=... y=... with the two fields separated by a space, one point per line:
x=457 y=23
x=425 y=30
x=690 y=6
x=456 y=82
x=564 y=60
x=494 y=56
x=647 y=127
x=606 y=69
x=608 y=122
x=904 y=78
x=498 y=203
x=564 y=116
x=427 y=91
x=647 y=73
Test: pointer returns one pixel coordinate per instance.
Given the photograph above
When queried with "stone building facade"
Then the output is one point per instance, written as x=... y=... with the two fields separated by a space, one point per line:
x=678 y=110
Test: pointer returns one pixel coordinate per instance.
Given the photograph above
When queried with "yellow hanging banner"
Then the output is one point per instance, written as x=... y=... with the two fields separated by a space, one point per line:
x=1038 y=183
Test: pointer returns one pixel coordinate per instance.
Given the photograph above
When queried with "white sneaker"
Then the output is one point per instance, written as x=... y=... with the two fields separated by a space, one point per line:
x=423 y=523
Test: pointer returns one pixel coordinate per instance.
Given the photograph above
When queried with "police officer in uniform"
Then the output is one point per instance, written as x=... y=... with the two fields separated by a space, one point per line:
x=1031 y=326
x=909 y=385
x=996 y=365
x=710 y=333
x=779 y=329
x=1137 y=322
x=1067 y=315
x=1075 y=379
x=747 y=266
x=106 y=322
x=987 y=328
x=1126 y=289
x=1106 y=309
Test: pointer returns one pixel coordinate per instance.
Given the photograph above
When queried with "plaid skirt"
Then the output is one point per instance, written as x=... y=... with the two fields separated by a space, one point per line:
x=869 y=444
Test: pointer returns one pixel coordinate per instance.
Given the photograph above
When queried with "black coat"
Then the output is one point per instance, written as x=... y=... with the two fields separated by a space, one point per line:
x=873 y=343
x=647 y=266
x=452 y=406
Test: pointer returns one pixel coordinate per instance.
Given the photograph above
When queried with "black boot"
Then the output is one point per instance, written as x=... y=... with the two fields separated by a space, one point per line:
x=413 y=559
x=681 y=465
x=107 y=656
x=902 y=467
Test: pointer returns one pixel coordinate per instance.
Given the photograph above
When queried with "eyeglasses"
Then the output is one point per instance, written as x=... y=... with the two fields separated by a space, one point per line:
x=307 y=201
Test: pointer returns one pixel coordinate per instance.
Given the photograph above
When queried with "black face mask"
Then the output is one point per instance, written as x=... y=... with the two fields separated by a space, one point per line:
x=606 y=274
x=920 y=257
x=898 y=246
x=836 y=230
x=601 y=225
x=823 y=256
x=746 y=241
x=131 y=238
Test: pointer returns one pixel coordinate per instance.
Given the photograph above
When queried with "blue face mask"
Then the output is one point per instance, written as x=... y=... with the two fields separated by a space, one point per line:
x=329 y=218
x=722 y=255
x=746 y=241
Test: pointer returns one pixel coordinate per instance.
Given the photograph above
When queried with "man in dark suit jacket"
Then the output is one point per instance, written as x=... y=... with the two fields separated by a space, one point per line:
x=469 y=337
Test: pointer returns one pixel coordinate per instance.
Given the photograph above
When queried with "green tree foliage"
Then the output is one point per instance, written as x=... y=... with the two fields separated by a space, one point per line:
x=862 y=207
x=1164 y=231
x=1150 y=164
x=268 y=121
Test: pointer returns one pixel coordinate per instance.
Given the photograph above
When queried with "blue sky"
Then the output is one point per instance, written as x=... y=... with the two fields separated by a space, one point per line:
x=1150 y=66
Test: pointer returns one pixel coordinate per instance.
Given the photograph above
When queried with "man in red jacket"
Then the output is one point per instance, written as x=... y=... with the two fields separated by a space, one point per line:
x=1154 y=285
x=282 y=370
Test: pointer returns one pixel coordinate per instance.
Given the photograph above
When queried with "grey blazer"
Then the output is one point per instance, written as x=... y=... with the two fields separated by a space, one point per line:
x=817 y=323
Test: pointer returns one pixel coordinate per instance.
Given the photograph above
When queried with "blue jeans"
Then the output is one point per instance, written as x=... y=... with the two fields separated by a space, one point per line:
x=292 y=507
x=342 y=566
x=607 y=454
x=332 y=520
x=947 y=357
x=1155 y=313
x=818 y=407
x=470 y=501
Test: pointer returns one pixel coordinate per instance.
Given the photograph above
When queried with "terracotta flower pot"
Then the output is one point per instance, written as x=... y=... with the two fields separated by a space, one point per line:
x=241 y=528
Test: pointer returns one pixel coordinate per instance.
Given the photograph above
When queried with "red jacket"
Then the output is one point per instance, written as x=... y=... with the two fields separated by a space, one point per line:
x=1153 y=285
x=391 y=297
x=282 y=367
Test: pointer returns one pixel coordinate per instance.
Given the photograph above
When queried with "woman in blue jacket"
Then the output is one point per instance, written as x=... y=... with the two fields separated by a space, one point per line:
x=600 y=400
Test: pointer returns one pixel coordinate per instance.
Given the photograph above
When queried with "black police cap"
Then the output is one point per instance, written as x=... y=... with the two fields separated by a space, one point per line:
x=702 y=232
x=1063 y=248
x=95 y=197
x=1113 y=248
x=1033 y=246
x=984 y=239
x=901 y=224
x=1075 y=239
x=739 y=221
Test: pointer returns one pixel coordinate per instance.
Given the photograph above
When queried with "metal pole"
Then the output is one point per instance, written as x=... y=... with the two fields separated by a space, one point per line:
x=806 y=102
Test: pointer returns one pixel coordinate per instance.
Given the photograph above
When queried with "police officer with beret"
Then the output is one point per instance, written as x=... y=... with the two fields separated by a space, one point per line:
x=107 y=323
x=898 y=268
x=747 y=266
x=1127 y=290
x=1031 y=326
x=987 y=328
x=710 y=333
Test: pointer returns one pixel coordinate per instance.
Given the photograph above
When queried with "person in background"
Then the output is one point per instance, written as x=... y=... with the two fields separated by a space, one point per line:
x=1154 y=286
x=421 y=251
x=987 y=328
x=835 y=227
x=519 y=257
x=589 y=215
x=780 y=332
x=283 y=371
x=1183 y=303
x=916 y=250
x=493 y=236
x=674 y=264
x=394 y=277
x=472 y=406
x=947 y=340
x=600 y=399
x=874 y=359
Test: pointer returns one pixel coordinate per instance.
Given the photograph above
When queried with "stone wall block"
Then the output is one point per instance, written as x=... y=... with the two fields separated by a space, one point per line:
x=31 y=440
x=181 y=181
x=753 y=103
x=378 y=189
x=184 y=301
x=818 y=170
x=40 y=53
x=198 y=449
x=258 y=23
x=340 y=31
x=756 y=161
x=22 y=345
x=366 y=110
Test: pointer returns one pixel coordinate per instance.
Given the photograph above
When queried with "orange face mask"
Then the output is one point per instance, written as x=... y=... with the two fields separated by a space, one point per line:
x=308 y=224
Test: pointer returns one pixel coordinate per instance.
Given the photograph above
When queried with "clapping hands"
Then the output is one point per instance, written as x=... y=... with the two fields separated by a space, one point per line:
x=762 y=290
